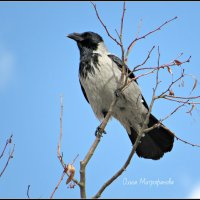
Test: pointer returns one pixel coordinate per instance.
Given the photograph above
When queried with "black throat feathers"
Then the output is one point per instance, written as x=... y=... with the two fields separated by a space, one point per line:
x=88 y=62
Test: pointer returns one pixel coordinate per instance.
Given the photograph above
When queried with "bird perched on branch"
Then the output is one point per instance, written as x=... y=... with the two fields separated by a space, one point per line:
x=99 y=76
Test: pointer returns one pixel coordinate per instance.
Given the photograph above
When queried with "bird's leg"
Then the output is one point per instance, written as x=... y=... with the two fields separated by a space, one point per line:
x=99 y=131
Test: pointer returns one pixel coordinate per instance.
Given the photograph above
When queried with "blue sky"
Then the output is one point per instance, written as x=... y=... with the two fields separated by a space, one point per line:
x=38 y=64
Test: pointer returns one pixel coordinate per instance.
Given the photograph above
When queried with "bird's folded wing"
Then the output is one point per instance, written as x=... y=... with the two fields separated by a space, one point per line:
x=118 y=62
x=84 y=93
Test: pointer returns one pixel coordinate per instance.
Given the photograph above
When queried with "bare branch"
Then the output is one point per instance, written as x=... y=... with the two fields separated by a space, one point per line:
x=122 y=19
x=159 y=124
x=172 y=83
x=184 y=141
x=179 y=97
x=97 y=14
x=60 y=180
x=122 y=169
x=8 y=160
x=155 y=69
x=27 y=192
x=91 y=151
x=191 y=109
x=8 y=141
x=59 y=155
x=170 y=64
x=195 y=82
x=147 y=58
x=174 y=111
x=149 y=33
x=180 y=101
x=129 y=50
x=120 y=43
x=75 y=159
x=137 y=77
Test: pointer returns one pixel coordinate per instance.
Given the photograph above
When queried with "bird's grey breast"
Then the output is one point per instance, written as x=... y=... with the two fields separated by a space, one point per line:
x=99 y=78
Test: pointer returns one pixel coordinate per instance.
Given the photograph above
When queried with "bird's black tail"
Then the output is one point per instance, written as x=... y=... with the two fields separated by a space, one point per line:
x=155 y=143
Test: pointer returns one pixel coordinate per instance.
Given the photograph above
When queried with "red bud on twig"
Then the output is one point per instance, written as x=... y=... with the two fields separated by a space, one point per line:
x=177 y=62
x=171 y=93
x=169 y=69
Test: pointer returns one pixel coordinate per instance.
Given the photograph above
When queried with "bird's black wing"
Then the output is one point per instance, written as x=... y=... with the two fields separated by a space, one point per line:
x=118 y=62
x=84 y=93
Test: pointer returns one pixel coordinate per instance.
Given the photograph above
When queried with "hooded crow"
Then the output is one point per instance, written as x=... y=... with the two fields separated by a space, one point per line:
x=99 y=76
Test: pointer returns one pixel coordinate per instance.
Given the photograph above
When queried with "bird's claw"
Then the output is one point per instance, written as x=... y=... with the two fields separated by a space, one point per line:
x=99 y=131
x=118 y=93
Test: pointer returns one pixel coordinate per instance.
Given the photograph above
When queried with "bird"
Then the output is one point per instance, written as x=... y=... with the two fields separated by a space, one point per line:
x=99 y=77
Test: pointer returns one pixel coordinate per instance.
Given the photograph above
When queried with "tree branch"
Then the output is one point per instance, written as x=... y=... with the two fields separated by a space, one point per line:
x=122 y=19
x=149 y=33
x=184 y=141
x=97 y=14
x=59 y=182
x=91 y=151
x=60 y=156
x=8 y=141
x=147 y=58
x=8 y=160
x=27 y=192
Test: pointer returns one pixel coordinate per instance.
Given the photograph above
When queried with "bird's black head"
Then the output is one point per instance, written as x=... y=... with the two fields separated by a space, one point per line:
x=88 y=40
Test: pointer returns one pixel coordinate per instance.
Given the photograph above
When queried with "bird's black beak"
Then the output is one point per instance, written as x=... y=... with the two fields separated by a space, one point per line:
x=75 y=36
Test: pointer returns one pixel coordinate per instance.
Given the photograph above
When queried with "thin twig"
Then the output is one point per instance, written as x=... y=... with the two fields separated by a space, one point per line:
x=170 y=64
x=181 y=101
x=154 y=69
x=60 y=180
x=172 y=83
x=148 y=56
x=127 y=83
x=59 y=155
x=184 y=141
x=75 y=159
x=135 y=78
x=120 y=36
x=174 y=111
x=8 y=160
x=180 y=97
x=97 y=14
x=122 y=19
x=149 y=33
x=122 y=169
x=159 y=124
x=27 y=193
x=8 y=141
x=129 y=50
